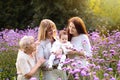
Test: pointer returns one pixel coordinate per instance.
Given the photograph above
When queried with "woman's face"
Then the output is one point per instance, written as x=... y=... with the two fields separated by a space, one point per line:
x=50 y=32
x=32 y=46
x=72 y=29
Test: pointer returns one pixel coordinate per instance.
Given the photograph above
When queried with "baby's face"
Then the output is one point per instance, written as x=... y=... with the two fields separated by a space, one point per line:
x=64 y=38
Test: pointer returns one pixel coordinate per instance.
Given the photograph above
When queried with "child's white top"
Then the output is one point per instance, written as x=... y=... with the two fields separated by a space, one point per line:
x=58 y=45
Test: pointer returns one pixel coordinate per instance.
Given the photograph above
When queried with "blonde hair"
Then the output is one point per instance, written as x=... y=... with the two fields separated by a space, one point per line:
x=25 y=42
x=45 y=24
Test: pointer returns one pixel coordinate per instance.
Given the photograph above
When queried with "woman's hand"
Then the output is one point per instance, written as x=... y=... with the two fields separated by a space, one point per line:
x=71 y=54
x=81 y=53
x=37 y=43
x=35 y=68
x=58 y=52
x=75 y=52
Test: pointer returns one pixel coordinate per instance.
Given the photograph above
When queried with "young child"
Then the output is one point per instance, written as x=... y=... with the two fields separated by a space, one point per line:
x=59 y=49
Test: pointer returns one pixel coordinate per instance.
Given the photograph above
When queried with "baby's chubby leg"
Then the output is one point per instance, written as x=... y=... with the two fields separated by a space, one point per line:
x=61 y=62
x=50 y=61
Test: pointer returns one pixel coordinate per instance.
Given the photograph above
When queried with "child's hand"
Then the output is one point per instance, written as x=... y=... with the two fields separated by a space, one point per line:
x=59 y=52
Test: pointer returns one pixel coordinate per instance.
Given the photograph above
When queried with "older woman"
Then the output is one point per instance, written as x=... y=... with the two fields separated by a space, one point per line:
x=26 y=64
x=46 y=37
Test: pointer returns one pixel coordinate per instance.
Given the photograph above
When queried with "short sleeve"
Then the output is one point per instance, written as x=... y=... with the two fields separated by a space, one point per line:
x=40 y=53
x=24 y=66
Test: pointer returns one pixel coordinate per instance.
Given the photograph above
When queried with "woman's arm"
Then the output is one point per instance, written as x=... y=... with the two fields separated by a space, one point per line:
x=86 y=46
x=40 y=54
x=75 y=52
x=35 y=68
x=26 y=69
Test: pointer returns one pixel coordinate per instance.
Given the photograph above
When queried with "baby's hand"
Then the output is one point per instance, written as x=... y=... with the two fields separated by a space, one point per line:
x=69 y=48
x=59 y=52
x=59 y=56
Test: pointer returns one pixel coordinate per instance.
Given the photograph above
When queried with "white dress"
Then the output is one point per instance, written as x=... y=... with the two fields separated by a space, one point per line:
x=44 y=51
x=65 y=46
x=57 y=45
x=24 y=64
x=82 y=43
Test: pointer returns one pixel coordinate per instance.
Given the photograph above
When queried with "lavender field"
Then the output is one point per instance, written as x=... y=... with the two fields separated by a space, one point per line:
x=104 y=65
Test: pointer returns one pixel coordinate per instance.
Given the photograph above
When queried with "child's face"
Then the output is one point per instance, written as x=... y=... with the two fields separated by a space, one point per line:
x=64 y=38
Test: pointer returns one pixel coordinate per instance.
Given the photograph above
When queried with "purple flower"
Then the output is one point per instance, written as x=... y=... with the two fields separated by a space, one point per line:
x=76 y=70
x=59 y=79
x=88 y=74
x=118 y=66
x=104 y=52
x=76 y=75
x=83 y=73
x=118 y=45
x=111 y=43
x=109 y=69
x=97 y=67
x=112 y=51
x=92 y=65
x=71 y=72
x=76 y=78
x=106 y=74
x=94 y=73
x=96 y=78
x=73 y=64
x=112 y=78
x=118 y=63
x=33 y=78
x=106 y=55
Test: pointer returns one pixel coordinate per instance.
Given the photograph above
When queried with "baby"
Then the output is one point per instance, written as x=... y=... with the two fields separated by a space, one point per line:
x=59 y=49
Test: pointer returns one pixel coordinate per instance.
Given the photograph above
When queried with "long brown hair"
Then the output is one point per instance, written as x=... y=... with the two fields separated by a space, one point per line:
x=62 y=32
x=79 y=25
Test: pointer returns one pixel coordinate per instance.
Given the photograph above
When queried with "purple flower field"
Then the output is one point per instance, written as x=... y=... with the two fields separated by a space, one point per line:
x=104 y=65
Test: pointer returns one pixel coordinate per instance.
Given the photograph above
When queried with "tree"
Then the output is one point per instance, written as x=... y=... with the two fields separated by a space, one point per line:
x=108 y=11
x=58 y=11
x=15 y=14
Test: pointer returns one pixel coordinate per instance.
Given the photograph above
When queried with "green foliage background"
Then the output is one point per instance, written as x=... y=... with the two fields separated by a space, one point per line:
x=15 y=13
x=96 y=14
x=8 y=68
x=22 y=13
x=108 y=12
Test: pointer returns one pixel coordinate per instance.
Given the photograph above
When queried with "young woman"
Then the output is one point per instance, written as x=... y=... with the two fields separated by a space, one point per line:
x=78 y=36
x=46 y=36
